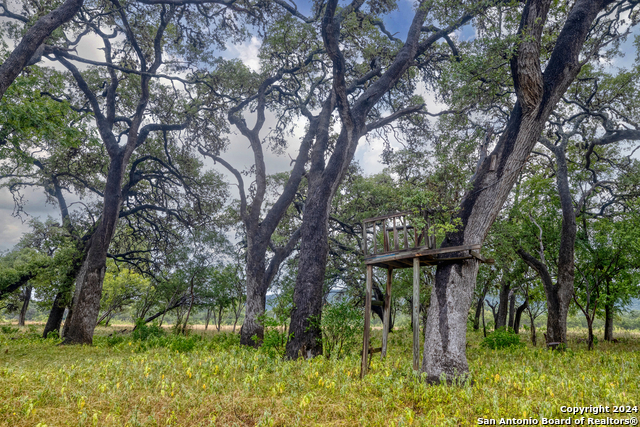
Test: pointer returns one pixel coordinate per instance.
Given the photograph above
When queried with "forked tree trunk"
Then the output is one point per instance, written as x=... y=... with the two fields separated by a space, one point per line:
x=518 y=318
x=325 y=176
x=26 y=298
x=63 y=298
x=445 y=335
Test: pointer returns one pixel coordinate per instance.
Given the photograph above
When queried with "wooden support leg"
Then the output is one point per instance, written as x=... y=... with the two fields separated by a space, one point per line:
x=416 y=313
x=387 y=314
x=367 y=322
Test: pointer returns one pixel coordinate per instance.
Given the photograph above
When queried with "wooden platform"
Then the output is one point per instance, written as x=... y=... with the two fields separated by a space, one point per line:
x=426 y=256
x=397 y=241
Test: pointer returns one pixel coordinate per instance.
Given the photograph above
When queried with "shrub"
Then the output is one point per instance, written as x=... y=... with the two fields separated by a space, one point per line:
x=502 y=338
x=341 y=325
x=8 y=330
x=275 y=335
x=142 y=331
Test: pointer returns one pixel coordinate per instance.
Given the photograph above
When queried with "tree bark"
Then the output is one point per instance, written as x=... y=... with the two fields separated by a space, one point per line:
x=608 y=321
x=503 y=307
x=55 y=315
x=537 y=95
x=252 y=331
x=24 y=53
x=480 y=307
x=512 y=309
x=26 y=299
x=207 y=318
x=86 y=301
x=533 y=329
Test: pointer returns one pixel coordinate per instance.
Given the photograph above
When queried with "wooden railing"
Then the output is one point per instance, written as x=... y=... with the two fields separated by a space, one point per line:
x=398 y=233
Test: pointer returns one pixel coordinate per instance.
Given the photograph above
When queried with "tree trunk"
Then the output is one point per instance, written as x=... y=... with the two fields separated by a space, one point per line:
x=512 y=309
x=503 y=307
x=533 y=329
x=516 y=323
x=537 y=95
x=479 y=312
x=608 y=321
x=252 y=330
x=26 y=298
x=86 y=301
x=28 y=48
x=219 y=325
x=480 y=307
x=445 y=334
x=307 y=295
x=207 y=318
x=186 y=320
x=590 y=328
x=55 y=315
x=484 y=326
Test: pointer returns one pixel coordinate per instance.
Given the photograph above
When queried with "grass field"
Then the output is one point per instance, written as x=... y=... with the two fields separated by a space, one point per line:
x=212 y=381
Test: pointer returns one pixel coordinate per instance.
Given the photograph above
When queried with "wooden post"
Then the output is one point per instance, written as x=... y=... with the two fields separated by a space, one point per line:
x=406 y=238
x=367 y=322
x=416 y=313
x=385 y=236
x=387 y=314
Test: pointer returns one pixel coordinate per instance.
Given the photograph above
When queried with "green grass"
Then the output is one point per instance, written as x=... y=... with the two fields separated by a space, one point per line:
x=219 y=383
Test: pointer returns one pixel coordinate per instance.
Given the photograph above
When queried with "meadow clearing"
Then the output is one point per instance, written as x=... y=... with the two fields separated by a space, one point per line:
x=210 y=380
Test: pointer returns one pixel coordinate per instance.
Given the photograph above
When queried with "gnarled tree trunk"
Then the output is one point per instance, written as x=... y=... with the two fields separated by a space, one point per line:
x=86 y=301
x=537 y=95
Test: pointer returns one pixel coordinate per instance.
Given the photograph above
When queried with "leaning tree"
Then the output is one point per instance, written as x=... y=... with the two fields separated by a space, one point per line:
x=587 y=26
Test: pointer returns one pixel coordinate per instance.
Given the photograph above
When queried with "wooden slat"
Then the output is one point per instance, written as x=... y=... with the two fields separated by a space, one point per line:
x=387 y=313
x=395 y=236
x=364 y=239
x=416 y=314
x=367 y=322
x=375 y=239
x=385 y=236
x=378 y=218
x=417 y=252
x=406 y=238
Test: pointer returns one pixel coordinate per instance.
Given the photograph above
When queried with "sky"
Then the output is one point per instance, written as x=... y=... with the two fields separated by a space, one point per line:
x=239 y=154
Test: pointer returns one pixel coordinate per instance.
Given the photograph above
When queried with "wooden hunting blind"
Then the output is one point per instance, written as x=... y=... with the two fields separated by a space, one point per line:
x=407 y=240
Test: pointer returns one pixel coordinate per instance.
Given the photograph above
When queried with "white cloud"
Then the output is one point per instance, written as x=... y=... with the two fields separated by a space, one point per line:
x=247 y=52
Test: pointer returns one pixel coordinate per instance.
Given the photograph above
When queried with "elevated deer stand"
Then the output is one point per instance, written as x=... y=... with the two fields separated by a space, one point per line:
x=410 y=248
